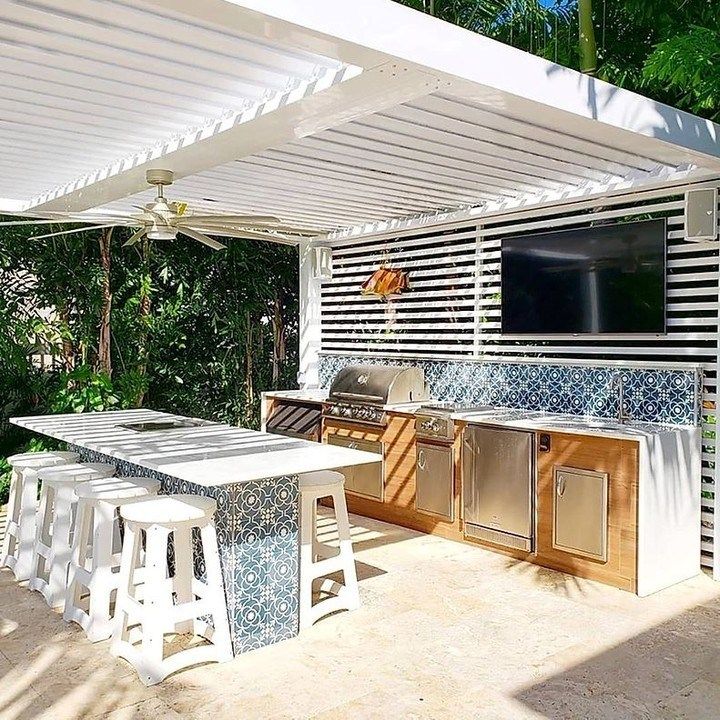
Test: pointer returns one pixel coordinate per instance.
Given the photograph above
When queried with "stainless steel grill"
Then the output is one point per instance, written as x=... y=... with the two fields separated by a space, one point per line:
x=361 y=392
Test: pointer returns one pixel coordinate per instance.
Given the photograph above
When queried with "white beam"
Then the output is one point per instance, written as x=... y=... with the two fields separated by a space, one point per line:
x=481 y=69
x=338 y=97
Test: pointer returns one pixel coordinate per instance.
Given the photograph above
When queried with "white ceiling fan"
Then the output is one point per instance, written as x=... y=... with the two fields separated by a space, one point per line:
x=163 y=220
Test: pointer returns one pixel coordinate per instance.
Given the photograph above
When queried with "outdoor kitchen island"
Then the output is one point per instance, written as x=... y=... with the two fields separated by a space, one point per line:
x=253 y=477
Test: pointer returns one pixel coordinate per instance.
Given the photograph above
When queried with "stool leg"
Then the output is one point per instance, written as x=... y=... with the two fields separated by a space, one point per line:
x=156 y=608
x=81 y=540
x=184 y=573
x=350 y=592
x=60 y=549
x=307 y=539
x=124 y=600
x=42 y=537
x=102 y=583
x=27 y=517
x=10 y=542
x=221 y=625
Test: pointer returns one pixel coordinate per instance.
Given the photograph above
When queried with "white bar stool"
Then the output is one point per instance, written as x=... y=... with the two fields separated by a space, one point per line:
x=52 y=550
x=317 y=559
x=19 y=539
x=158 y=613
x=95 y=560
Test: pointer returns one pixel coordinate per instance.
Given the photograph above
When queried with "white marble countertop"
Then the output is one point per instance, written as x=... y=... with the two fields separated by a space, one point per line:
x=556 y=422
x=208 y=454
x=520 y=419
x=317 y=395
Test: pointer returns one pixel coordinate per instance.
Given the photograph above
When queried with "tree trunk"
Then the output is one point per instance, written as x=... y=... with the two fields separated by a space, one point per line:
x=588 y=48
x=104 y=358
x=249 y=387
x=278 y=325
x=68 y=348
x=144 y=319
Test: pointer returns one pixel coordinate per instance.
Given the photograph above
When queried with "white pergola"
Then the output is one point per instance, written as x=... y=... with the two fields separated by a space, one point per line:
x=342 y=116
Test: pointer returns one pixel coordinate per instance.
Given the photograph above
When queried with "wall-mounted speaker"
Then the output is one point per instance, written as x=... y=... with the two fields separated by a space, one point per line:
x=701 y=215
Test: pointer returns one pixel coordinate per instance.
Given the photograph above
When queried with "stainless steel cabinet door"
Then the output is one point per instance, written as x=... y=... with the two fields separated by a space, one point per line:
x=366 y=480
x=434 y=486
x=498 y=471
x=580 y=512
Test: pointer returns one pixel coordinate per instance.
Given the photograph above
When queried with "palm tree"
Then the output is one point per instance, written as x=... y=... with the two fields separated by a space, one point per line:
x=588 y=48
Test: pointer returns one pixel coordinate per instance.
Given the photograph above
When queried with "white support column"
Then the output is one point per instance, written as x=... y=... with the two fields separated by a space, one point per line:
x=310 y=312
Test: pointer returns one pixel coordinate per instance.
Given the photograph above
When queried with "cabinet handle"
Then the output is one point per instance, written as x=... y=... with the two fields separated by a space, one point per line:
x=561 y=485
x=421 y=460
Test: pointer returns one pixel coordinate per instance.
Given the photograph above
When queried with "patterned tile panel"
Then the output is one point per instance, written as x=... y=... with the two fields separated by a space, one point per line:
x=652 y=395
x=257 y=530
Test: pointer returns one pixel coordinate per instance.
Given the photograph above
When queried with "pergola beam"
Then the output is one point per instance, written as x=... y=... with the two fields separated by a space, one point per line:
x=337 y=97
x=524 y=85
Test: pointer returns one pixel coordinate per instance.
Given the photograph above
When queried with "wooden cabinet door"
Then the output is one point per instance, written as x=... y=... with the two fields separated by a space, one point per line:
x=619 y=460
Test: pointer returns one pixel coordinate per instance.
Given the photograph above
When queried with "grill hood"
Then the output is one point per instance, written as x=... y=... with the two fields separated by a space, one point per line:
x=378 y=385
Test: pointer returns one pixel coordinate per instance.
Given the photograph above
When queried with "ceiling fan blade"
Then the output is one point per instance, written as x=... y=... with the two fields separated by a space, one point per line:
x=43 y=222
x=229 y=219
x=70 y=232
x=135 y=237
x=150 y=215
x=251 y=235
x=200 y=237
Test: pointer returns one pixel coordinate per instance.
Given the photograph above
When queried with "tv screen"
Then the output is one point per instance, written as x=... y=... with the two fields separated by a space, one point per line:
x=604 y=279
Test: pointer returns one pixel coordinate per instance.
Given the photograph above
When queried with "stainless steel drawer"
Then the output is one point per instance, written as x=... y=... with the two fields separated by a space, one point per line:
x=365 y=480
x=580 y=509
x=434 y=480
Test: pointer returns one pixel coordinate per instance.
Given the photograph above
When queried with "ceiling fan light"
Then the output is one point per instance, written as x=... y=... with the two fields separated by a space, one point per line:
x=160 y=232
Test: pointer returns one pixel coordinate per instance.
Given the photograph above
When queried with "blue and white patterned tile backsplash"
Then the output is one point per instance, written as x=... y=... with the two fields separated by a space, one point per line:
x=651 y=395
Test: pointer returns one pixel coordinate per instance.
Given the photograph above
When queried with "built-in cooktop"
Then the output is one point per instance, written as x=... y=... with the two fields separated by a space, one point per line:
x=450 y=406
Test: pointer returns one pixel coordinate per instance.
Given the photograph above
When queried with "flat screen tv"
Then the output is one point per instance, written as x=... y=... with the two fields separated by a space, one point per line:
x=603 y=279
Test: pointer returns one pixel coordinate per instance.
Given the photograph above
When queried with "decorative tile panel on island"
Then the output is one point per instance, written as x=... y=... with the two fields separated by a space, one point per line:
x=257 y=529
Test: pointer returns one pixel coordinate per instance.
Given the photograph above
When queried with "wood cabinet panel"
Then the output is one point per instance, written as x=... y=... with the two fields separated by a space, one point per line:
x=618 y=458
x=399 y=454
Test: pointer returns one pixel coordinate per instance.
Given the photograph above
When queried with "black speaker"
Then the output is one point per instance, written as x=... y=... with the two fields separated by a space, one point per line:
x=701 y=215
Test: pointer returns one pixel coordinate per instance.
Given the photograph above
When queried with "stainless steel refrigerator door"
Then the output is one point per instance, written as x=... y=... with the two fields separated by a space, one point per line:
x=498 y=470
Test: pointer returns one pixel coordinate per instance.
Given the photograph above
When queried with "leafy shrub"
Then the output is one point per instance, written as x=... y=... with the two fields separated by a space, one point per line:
x=5 y=473
x=83 y=390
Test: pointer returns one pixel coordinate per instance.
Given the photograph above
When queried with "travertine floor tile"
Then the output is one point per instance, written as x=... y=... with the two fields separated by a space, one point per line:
x=445 y=630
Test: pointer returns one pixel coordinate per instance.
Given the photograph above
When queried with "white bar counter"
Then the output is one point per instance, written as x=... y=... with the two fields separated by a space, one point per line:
x=210 y=454
x=253 y=477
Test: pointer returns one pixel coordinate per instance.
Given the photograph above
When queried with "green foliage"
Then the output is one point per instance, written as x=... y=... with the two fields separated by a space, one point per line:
x=5 y=476
x=668 y=51
x=83 y=390
x=689 y=64
x=191 y=329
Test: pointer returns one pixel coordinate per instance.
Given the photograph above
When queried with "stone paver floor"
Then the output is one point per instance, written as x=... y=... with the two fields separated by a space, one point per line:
x=445 y=631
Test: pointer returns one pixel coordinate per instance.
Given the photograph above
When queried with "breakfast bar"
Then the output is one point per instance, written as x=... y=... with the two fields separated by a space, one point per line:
x=253 y=477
